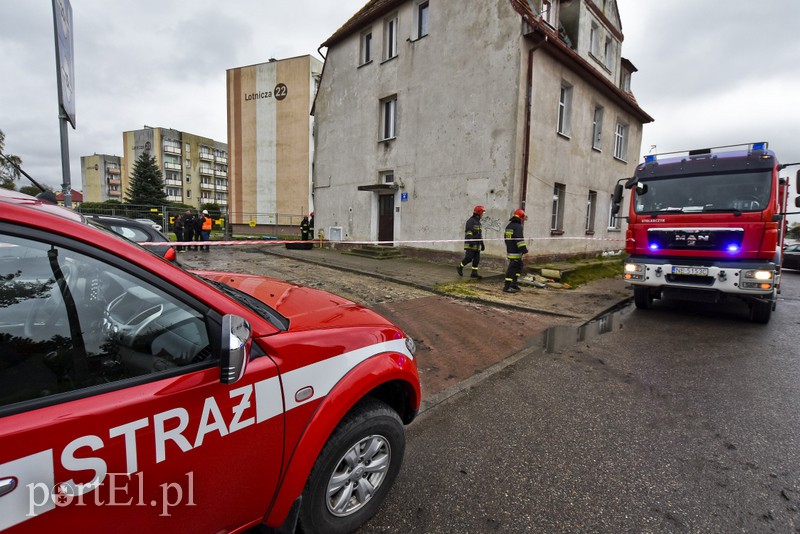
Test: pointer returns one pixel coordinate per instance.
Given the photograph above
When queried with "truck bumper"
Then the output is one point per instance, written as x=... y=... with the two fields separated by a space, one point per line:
x=706 y=281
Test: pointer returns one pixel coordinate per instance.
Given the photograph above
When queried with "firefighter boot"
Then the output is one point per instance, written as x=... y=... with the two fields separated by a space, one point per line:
x=475 y=274
x=460 y=270
x=507 y=288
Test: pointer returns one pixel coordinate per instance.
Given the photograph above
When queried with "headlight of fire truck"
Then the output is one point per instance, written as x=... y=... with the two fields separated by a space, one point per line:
x=754 y=279
x=634 y=271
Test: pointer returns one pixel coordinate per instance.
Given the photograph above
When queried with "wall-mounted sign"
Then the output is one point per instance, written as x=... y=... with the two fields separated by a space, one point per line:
x=280 y=92
x=403 y=197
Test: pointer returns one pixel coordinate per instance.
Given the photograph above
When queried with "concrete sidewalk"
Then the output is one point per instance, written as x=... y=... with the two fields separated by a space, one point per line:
x=582 y=303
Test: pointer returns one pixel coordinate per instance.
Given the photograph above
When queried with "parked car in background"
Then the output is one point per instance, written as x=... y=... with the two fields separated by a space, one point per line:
x=791 y=256
x=150 y=222
x=137 y=232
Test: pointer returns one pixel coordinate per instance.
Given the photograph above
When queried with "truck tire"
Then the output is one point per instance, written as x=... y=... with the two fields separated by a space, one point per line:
x=760 y=311
x=354 y=471
x=642 y=297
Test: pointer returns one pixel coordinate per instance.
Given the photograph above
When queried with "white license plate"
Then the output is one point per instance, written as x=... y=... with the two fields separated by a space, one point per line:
x=693 y=271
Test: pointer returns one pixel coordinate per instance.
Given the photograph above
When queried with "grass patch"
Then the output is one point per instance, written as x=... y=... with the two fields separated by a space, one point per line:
x=590 y=272
x=458 y=289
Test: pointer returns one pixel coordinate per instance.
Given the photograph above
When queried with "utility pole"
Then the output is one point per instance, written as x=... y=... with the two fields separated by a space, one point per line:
x=65 y=74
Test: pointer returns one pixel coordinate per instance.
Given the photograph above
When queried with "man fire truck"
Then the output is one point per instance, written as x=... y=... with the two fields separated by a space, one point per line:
x=706 y=226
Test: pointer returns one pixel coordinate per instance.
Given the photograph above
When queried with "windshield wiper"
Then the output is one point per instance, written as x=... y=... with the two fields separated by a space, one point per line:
x=277 y=320
x=736 y=212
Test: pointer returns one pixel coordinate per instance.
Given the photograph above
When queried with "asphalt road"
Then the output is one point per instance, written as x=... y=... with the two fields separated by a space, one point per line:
x=683 y=418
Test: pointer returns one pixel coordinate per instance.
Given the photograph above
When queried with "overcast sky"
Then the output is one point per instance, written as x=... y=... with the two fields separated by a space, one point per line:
x=711 y=72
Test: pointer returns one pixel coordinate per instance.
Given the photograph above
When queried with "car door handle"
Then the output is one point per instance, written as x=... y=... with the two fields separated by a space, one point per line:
x=7 y=485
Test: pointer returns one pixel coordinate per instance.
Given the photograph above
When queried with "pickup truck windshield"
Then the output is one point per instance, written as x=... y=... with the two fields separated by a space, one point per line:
x=734 y=192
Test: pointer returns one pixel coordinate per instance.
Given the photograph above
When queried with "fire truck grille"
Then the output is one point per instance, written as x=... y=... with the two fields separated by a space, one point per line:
x=694 y=239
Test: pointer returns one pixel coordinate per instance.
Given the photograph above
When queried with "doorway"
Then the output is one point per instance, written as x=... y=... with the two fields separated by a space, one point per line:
x=386 y=219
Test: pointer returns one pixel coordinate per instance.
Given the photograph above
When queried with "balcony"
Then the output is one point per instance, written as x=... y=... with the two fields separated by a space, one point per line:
x=207 y=186
x=112 y=170
x=174 y=198
x=172 y=166
x=221 y=174
x=222 y=202
x=174 y=183
x=206 y=171
x=114 y=181
x=114 y=193
x=222 y=160
x=172 y=150
x=207 y=156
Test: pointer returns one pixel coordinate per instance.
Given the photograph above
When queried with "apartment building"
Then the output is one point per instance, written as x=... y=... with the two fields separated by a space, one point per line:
x=427 y=108
x=101 y=176
x=270 y=137
x=195 y=168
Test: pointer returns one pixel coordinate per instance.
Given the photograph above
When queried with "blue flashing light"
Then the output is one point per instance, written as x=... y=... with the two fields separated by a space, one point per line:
x=653 y=246
x=650 y=158
x=759 y=146
x=733 y=248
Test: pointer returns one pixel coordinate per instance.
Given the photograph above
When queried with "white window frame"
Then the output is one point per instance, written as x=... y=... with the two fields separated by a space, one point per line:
x=387 y=177
x=557 y=217
x=564 y=110
x=591 y=212
x=365 y=52
x=422 y=18
x=594 y=40
x=597 y=127
x=621 y=141
x=390 y=27
x=547 y=12
x=389 y=118
x=608 y=53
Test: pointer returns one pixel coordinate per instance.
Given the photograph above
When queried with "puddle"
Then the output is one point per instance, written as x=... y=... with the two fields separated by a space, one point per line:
x=560 y=337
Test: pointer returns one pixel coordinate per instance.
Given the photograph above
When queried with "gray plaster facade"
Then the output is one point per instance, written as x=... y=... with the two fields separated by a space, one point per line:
x=477 y=108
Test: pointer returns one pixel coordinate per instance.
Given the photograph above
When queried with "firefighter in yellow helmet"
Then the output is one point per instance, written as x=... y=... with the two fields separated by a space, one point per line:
x=473 y=243
x=515 y=250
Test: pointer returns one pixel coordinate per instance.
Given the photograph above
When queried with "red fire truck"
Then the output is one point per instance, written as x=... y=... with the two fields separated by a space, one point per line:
x=706 y=226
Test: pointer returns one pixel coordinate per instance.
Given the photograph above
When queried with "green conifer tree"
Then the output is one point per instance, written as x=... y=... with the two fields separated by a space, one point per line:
x=8 y=173
x=147 y=184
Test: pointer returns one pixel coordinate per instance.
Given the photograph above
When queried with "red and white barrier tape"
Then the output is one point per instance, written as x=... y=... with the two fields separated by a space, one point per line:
x=394 y=242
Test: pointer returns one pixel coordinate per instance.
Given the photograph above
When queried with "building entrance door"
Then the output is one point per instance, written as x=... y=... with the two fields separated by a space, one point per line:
x=386 y=219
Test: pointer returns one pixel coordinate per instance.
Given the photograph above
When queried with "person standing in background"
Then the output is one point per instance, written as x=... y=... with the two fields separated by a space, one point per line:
x=188 y=228
x=205 y=230
x=473 y=243
x=177 y=227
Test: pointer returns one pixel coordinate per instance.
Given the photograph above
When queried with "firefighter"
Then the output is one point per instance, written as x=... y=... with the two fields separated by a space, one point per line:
x=516 y=249
x=305 y=229
x=473 y=243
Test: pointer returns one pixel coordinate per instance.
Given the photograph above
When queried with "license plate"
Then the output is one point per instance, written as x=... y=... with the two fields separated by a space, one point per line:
x=692 y=271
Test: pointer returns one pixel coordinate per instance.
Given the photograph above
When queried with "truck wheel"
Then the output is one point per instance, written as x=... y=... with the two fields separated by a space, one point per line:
x=760 y=311
x=354 y=471
x=642 y=297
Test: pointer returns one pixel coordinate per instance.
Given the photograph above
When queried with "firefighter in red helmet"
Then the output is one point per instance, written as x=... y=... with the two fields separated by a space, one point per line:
x=473 y=243
x=515 y=250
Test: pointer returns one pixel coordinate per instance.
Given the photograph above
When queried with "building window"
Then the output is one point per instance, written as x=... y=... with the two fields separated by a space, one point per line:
x=390 y=38
x=389 y=118
x=557 y=219
x=621 y=141
x=387 y=177
x=547 y=12
x=188 y=178
x=422 y=19
x=189 y=193
x=613 y=219
x=609 y=53
x=366 y=47
x=626 y=81
x=188 y=164
x=594 y=40
x=597 y=127
x=591 y=210
x=188 y=148
x=564 y=109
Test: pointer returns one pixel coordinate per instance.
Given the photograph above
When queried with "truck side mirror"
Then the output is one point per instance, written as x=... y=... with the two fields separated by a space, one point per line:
x=235 y=336
x=616 y=199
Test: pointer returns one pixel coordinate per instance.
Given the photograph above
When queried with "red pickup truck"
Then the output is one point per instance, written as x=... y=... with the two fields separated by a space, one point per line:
x=136 y=396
